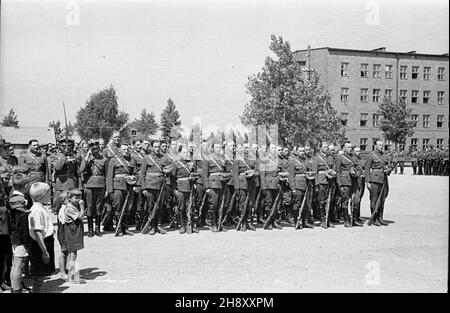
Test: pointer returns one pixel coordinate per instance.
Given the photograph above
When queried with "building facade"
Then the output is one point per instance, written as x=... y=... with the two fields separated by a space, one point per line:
x=358 y=80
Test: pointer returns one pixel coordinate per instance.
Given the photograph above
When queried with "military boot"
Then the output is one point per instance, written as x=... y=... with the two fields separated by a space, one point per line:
x=380 y=217
x=189 y=228
x=90 y=222
x=347 y=222
x=277 y=225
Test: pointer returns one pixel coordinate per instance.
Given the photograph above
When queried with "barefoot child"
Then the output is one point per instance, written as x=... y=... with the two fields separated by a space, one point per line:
x=72 y=222
x=42 y=255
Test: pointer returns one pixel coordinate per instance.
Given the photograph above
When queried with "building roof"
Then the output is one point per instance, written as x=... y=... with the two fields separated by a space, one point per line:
x=22 y=135
x=381 y=50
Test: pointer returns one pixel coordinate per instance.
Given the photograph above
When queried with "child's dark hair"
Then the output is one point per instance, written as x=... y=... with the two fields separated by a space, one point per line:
x=19 y=181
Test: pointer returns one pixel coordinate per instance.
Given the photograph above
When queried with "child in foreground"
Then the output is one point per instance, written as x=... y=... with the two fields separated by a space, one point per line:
x=70 y=218
x=42 y=255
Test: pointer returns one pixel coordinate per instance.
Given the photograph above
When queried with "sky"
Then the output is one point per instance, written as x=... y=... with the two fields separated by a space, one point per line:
x=198 y=53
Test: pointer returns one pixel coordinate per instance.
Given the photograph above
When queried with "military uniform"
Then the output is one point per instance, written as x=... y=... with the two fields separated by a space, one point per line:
x=38 y=165
x=360 y=186
x=413 y=157
x=347 y=180
x=215 y=179
x=269 y=169
x=427 y=162
x=245 y=189
x=138 y=205
x=401 y=161
x=420 y=162
x=94 y=171
x=323 y=164
x=66 y=169
x=184 y=194
x=152 y=180
x=376 y=171
x=120 y=180
x=299 y=183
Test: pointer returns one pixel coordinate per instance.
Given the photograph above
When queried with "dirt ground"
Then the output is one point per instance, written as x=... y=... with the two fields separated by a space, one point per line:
x=409 y=255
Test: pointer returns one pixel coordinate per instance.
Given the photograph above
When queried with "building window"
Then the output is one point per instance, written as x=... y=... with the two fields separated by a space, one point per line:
x=344 y=94
x=440 y=121
x=374 y=143
x=375 y=120
x=441 y=71
x=403 y=72
x=363 y=144
x=426 y=121
x=388 y=93
x=414 y=143
x=414 y=96
x=426 y=96
x=425 y=143
x=440 y=143
x=344 y=69
x=426 y=73
x=363 y=120
x=388 y=71
x=440 y=97
x=415 y=72
x=133 y=133
x=376 y=71
x=414 y=119
x=376 y=95
x=364 y=94
x=403 y=95
x=344 y=119
x=364 y=70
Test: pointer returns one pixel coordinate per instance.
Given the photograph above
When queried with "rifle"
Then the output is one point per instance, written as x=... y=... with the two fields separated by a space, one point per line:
x=222 y=204
x=146 y=228
x=233 y=199
x=330 y=193
x=299 y=217
x=202 y=205
x=377 y=204
x=121 y=214
x=274 y=208
x=256 y=203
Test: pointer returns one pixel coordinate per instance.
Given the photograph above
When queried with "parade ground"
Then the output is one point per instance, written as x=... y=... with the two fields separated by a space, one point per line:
x=409 y=255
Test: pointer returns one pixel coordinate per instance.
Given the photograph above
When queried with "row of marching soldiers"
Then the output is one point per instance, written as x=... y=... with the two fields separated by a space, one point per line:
x=218 y=184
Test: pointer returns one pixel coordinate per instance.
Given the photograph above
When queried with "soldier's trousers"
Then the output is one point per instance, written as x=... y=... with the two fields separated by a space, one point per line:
x=94 y=203
x=435 y=167
x=419 y=167
x=298 y=195
x=138 y=205
x=269 y=199
x=150 y=201
x=322 y=192
x=359 y=193
x=244 y=211
x=414 y=167
x=199 y=193
x=401 y=165
x=184 y=211
x=427 y=167
x=346 y=193
x=375 y=190
x=118 y=201
x=214 y=199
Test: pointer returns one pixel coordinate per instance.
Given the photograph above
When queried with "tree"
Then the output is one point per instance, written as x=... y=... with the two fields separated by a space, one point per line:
x=170 y=121
x=100 y=117
x=10 y=120
x=282 y=94
x=146 y=125
x=395 y=123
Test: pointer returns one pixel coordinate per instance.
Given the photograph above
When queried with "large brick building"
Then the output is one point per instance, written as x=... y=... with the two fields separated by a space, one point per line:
x=357 y=81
